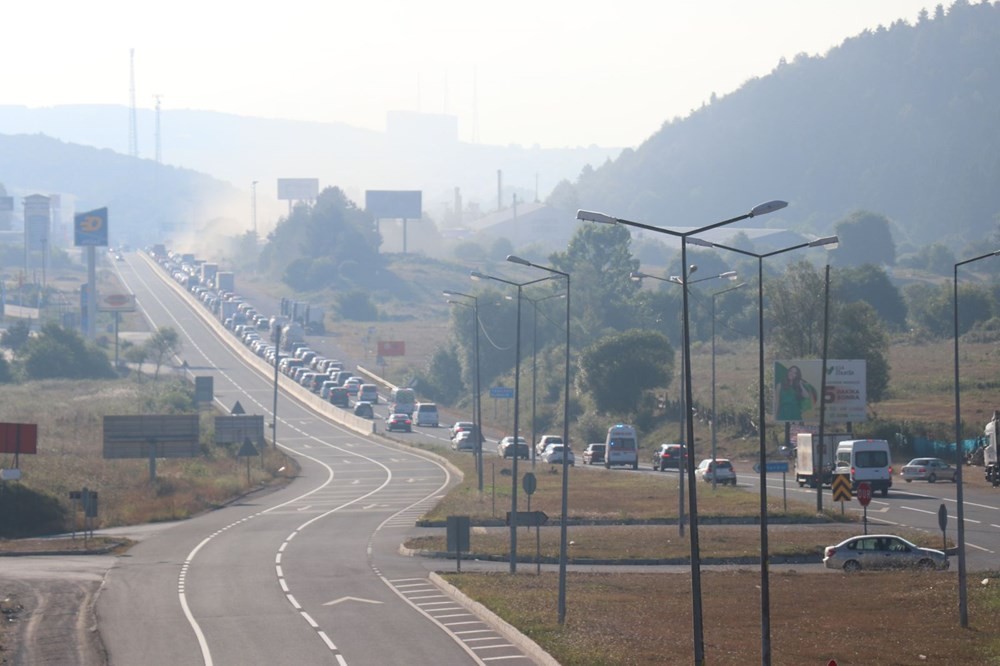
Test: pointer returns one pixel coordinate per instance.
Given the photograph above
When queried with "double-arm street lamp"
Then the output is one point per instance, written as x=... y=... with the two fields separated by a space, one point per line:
x=963 y=598
x=477 y=411
x=565 y=457
x=685 y=236
x=476 y=275
x=637 y=276
x=765 y=593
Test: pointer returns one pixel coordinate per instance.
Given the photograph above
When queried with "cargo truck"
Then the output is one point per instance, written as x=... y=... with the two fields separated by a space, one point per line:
x=812 y=466
x=990 y=452
x=225 y=281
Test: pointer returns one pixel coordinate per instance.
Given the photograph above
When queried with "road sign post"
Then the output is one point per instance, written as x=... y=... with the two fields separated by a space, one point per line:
x=943 y=524
x=865 y=497
x=841 y=487
x=530 y=483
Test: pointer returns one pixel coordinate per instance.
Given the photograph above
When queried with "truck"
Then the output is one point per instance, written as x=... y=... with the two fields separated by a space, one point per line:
x=208 y=272
x=227 y=309
x=225 y=281
x=807 y=458
x=990 y=452
x=291 y=335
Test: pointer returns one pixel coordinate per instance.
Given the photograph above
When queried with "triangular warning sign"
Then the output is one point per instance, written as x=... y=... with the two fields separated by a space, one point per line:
x=237 y=408
x=248 y=449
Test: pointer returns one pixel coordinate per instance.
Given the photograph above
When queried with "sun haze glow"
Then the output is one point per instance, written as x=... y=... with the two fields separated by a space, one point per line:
x=554 y=73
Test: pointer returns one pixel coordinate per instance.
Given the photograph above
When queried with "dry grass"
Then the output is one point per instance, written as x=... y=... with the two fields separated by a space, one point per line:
x=661 y=543
x=70 y=454
x=621 y=618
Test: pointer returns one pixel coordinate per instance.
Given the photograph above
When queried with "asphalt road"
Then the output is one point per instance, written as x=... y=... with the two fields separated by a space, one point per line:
x=309 y=574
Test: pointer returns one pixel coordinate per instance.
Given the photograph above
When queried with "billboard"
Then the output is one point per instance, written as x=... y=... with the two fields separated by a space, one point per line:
x=236 y=428
x=298 y=189
x=391 y=348
x=37 y=222
x=394 y=204
x=91 y=228
x=116 y=303
x=797 y=385
x=18 y=438
x=170 y=435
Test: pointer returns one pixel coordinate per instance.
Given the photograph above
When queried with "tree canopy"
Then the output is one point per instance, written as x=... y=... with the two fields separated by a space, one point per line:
x=617 y=369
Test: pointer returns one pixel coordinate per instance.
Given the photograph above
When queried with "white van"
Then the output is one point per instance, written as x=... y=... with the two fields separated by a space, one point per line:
x=402 y=400
x=368 y=393
x=621 y=446
x=425 y=414
x=866 y=460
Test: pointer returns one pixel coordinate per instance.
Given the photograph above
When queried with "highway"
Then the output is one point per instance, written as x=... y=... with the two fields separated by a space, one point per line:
x=308 y=574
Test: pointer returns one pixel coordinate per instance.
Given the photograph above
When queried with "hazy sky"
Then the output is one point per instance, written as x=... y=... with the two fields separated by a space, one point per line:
x=548 y=72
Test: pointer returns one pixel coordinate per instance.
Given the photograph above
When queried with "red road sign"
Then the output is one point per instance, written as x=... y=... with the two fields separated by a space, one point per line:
x=864 y=493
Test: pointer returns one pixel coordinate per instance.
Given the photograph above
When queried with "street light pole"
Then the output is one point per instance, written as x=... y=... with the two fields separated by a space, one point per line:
x=477 y=414
x=718 y=293
x=762 y=209
x=637 y=276
x=475 y=275
x=765 y=589
x=534 y=365
x=565 y=458
x=963 y=596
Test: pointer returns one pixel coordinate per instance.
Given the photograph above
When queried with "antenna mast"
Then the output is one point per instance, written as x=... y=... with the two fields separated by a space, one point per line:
x=157 y=98
x=133 y=142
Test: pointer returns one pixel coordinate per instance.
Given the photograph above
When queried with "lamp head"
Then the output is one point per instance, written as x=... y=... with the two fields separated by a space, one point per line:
x=830 y=242
x=517 y=260
x=636 y=276
x=594 y=216
x=729 y=275
x=476 y=275
x=769 y=207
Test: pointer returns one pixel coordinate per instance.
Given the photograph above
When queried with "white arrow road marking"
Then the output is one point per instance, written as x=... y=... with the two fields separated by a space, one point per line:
x=365 y=601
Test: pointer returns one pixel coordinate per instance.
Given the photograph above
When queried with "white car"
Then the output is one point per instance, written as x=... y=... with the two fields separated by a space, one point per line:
x=543 y=443
x=554 y=455
x=721 y=470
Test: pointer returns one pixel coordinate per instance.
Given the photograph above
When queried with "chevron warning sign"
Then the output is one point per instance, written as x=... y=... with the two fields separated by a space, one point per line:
x=841 y=487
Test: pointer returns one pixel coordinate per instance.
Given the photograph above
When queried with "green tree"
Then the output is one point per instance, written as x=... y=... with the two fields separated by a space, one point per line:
x=16 y=336
x=604 y=299
x=618 y=369
x=162 y=345
x=443 y=379
x=860 y=334
x=864 y=239
x=58 y=352
x=871 y=284
x=794 y=311
x=136 y=355
x=356 y=305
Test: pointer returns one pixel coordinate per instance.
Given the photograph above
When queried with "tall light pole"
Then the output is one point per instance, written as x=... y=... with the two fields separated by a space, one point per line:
x=565 y=458
x=714 y=438
x=534 y=364
x=765 y=590
x=253 y=207
x=761 y=209
x=476 y=275
x=637 y=276
x=477 y=413
x=963 y=597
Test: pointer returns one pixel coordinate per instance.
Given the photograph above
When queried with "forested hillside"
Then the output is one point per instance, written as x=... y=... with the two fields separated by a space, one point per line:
x=900 y=121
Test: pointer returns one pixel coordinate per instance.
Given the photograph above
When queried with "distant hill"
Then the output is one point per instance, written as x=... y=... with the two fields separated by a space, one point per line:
x=901 y=121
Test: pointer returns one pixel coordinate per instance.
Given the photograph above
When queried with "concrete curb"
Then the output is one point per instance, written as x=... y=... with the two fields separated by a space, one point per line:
x=505 y=629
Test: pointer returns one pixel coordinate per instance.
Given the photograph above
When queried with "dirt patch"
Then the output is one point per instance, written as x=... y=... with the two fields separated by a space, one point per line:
x=50 y=622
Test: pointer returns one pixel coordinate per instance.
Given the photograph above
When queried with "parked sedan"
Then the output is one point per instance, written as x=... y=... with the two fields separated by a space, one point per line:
x=398 y=422
x=928 y=469
x=881 y=551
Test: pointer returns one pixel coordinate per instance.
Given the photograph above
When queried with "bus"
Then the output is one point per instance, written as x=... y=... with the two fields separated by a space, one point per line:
x=621 y=446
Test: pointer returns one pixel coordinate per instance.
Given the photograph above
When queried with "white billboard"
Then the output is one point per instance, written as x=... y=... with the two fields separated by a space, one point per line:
x=797 y=386
x=298 y=189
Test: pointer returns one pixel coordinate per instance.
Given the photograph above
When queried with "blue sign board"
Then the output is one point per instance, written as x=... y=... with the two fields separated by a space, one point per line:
x=772 y=467
x=91 y=228
x=501 y=392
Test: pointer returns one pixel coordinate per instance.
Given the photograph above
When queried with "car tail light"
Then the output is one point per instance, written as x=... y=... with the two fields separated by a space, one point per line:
x=830 y=551
x=890 y=470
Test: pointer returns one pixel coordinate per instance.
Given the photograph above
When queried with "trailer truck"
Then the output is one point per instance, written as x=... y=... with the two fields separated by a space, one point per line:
x=990 y=452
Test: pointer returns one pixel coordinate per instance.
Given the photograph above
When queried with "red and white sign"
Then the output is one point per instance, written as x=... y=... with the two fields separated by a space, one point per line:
x=864 y=493
x=391 y=348
x=117 y=303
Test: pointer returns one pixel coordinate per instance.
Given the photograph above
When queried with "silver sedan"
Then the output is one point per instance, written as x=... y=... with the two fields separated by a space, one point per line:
x=928 y=469
x=882 y=551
